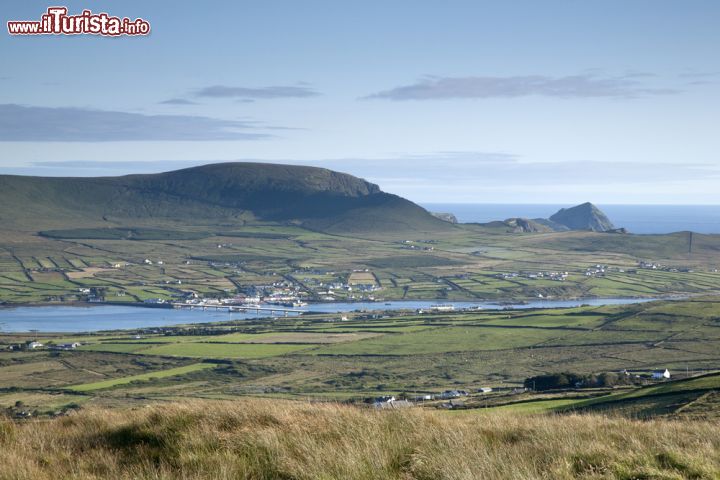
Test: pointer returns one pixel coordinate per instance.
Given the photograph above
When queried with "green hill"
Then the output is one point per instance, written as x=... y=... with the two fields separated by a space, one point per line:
x=278 y=439
x=229 y=192
x=694 y=397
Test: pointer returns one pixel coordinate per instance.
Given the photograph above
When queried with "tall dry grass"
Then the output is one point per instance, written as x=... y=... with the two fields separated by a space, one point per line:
x=261 y=439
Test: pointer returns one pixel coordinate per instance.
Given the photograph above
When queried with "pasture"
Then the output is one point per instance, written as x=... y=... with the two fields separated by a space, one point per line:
x=139 y=263
x=399 y=353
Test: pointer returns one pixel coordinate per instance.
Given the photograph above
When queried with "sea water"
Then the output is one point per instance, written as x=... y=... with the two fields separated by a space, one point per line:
x=642 y=219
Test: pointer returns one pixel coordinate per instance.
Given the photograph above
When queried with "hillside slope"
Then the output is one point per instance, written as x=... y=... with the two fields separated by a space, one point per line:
x=229 y=192
x=275 y=439
x=692 y=397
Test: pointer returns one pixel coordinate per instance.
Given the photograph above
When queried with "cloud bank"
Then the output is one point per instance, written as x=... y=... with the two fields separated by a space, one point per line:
x=575 y=86
x=19 y=123
x=449 y=170
x=224 y=91
x=474 y=177
x=177 y=101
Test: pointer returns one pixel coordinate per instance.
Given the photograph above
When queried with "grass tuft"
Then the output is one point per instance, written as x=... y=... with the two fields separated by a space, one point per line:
x=263 y=439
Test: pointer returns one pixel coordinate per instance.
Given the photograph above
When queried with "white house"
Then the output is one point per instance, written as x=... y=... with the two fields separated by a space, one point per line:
x=154 y=301
x=66 y=346
x=661 y=375
x=385 y=399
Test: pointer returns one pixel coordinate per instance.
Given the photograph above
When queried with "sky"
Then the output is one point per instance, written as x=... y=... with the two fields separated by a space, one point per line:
x=614 y=102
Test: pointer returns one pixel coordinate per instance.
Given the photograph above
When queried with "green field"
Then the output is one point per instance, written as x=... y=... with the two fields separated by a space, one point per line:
x=88 y=387
x=399 y=353
x=222 y=350
x=443 y=340
x=694 y=397
x=162 y=259
x=530 y=407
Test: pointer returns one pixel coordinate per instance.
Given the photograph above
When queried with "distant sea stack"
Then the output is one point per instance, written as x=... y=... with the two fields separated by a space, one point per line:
x=525 y=225
x=583 y=217
x=448 y=217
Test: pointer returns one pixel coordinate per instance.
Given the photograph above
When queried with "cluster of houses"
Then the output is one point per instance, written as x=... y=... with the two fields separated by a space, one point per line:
x=331 y=288
x=390 y=401
x=596 y=271
x=556 y=276
x=602 y=270
x=665 y=268
x=283 y=292
x=410 y=245
x=20 y=411
x=353 y=292
x=313 y=281
x=92 y=295
x=363 y=287
x=286 y=292
x=278 y=293
x=35 y=345
x=452 y=399
x=658 y=375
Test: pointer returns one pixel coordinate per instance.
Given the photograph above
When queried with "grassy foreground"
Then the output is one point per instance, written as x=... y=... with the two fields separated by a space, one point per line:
x=262 y=439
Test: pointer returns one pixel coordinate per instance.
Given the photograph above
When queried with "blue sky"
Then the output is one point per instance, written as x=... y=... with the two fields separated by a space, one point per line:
x=458 y=101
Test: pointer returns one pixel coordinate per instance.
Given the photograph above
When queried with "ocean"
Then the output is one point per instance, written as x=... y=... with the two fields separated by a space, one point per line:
x=636 y=218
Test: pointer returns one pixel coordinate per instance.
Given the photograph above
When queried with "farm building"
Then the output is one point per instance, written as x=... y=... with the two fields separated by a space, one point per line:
x=661 y=375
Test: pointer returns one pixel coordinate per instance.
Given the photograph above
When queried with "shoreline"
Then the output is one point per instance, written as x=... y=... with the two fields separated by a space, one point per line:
x=498 y=302
x=466 y=306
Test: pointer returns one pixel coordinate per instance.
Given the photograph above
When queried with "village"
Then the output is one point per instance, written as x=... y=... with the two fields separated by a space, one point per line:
x=300 y=287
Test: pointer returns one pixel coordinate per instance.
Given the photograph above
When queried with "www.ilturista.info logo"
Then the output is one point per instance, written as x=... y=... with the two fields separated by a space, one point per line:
x=57 y=22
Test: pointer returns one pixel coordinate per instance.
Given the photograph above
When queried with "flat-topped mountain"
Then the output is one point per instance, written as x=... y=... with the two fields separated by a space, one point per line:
x=230 y=192
x=583 y=217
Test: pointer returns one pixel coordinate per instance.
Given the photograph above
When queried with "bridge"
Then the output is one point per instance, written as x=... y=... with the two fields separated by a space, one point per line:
x=239 y=308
